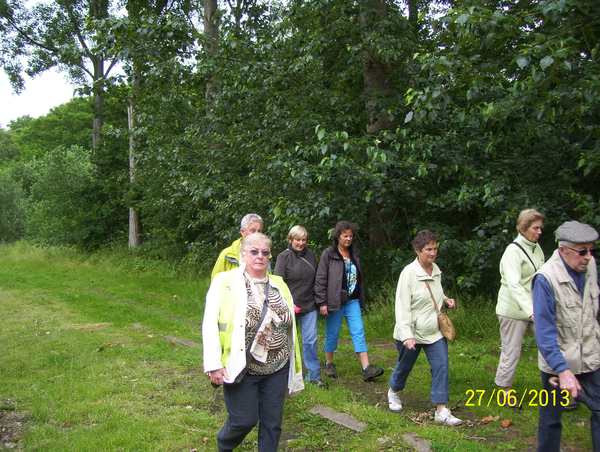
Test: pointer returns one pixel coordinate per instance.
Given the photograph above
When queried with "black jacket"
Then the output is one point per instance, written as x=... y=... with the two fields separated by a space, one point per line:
x=299 y=275
x=331 y=278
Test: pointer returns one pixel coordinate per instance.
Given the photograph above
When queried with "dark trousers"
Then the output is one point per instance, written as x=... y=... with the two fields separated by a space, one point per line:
x=256 y=398
x=550 y=425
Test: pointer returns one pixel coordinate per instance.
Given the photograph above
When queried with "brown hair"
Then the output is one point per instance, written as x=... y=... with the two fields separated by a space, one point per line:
x=341 y=227
x=423 y=238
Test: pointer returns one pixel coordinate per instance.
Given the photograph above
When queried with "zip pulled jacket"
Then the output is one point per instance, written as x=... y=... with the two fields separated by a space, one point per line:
x=298 y=270
x=331 y=279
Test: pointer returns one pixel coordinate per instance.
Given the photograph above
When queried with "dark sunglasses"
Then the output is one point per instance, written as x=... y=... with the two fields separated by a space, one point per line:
x=584 y=251
x=264 y=252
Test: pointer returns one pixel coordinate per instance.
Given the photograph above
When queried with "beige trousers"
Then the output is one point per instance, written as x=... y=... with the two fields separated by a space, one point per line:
x=511 y=334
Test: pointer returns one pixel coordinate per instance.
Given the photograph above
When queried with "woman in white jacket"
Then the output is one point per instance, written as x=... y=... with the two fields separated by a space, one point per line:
x=250 y=346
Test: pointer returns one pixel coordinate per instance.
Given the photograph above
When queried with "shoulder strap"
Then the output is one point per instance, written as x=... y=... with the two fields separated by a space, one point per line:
x=432 y=297
x=311 y=265
x=528 y=257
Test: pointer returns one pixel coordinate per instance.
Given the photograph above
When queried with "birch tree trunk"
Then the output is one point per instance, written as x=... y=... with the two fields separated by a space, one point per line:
x=135 y=221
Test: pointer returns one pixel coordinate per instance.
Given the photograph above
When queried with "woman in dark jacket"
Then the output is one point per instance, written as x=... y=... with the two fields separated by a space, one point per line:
x=297 y=266
x=339 y=293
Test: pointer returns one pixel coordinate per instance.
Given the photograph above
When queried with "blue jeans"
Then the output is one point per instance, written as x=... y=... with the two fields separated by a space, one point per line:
x=437 y=355
x=308 y=325
x=333 y=324
x=256 y=398
x=550 y=425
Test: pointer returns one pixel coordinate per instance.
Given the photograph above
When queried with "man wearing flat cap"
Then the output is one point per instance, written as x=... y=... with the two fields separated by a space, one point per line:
x=565 y=306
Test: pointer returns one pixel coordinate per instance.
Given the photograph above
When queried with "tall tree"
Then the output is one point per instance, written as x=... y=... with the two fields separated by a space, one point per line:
x=61 y=34
x=152 y=35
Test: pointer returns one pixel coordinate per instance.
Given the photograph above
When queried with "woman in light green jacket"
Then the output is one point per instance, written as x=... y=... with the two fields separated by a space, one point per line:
x=521 y=259
x=417 y=327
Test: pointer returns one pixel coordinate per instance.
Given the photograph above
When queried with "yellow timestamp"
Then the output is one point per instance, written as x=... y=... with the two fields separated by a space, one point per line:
x=535 y=397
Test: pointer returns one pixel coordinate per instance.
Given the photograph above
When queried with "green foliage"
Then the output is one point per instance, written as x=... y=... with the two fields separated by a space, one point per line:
x=67 y=206
x=52 y=34
x=66 y=125
x=495 y=106
x=8 y=149
x=13 y=206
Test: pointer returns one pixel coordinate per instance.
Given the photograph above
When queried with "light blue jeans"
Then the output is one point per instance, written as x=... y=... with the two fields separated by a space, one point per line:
x=308 y=326
x=333 y=324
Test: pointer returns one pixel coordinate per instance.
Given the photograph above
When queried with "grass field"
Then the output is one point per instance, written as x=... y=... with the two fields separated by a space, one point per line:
x=90 y=360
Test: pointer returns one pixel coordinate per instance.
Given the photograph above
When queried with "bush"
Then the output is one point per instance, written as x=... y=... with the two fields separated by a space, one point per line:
x=12 y=209
x=67 y=205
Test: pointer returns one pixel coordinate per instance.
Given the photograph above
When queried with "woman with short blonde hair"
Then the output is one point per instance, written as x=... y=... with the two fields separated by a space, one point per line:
x=297 y=265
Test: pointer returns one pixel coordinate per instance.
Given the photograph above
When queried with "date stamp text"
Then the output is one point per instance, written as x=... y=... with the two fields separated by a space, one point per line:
x=530 y=397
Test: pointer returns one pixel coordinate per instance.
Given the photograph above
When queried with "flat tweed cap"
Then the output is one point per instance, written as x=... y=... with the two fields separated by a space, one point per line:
x=576 y=232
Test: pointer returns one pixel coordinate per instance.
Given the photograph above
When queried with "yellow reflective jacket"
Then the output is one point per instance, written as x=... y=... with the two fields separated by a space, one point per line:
x=228 y=259
x=224 y=327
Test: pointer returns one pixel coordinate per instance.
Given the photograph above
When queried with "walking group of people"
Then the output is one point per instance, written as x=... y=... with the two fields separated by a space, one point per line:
x=558 y=302
x=251 y=313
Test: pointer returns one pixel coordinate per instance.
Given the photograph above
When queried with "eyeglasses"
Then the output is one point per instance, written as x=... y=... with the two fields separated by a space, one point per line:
x=265 y=253
x=584 y=251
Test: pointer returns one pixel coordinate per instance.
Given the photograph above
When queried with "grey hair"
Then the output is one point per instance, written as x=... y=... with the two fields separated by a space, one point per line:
x=253 y=239
x=250 y=218
x=567 y=244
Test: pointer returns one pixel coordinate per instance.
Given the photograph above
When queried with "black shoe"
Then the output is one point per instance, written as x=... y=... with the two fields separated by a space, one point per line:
x=330 y=370
x=371 y=372
x=573 y=405
x=319 y=384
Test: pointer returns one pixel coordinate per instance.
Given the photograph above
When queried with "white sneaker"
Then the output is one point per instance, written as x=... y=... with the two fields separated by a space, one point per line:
x=446 y=417
x=394 y=400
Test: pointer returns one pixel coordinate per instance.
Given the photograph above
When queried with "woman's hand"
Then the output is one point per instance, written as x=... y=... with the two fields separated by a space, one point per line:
x=217 y=376
x=323 y=310
x=450 y=303
x=410 y=343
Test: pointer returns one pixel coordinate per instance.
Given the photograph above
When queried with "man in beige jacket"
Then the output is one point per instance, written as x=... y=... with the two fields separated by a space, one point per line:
x=565 y=306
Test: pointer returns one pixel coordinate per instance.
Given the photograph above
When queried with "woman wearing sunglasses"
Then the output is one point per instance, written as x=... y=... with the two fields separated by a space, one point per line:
x=521 y=259
x=250 y=346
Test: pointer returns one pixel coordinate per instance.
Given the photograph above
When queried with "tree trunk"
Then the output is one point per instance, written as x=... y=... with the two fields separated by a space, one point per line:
x=135 y=221
x=211 y=29
x=375 y=72
x=376 y=83
x=135 y=229
x=413 y=13
x=98 y=120
x=99 y=11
